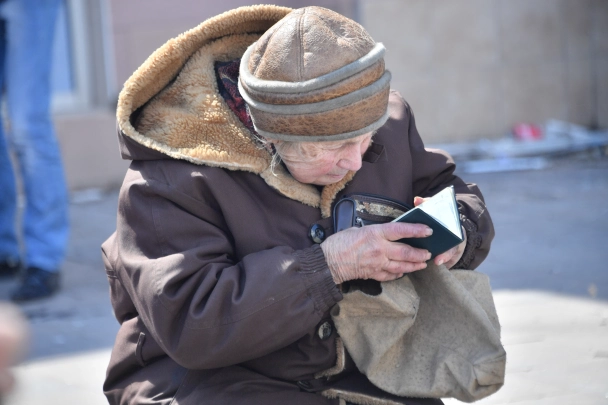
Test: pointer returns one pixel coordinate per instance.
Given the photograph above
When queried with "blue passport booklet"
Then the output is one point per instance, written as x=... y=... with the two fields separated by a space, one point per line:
x=440 y=213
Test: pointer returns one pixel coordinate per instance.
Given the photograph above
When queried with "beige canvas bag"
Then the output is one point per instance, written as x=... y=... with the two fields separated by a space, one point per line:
x=433 y=333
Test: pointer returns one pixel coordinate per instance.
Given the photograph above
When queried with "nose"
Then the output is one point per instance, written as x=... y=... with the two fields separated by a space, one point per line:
x=351 y=160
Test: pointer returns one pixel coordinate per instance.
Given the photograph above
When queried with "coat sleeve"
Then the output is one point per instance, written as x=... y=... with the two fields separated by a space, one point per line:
x=206 y=310
x=433 y=171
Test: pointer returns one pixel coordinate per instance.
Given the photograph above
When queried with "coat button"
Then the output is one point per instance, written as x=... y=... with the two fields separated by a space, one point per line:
x=325 y=330
x=305 y=385
x=317 y=233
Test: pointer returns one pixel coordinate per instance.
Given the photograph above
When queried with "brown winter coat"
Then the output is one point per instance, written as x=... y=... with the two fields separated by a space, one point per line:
x=219 y=290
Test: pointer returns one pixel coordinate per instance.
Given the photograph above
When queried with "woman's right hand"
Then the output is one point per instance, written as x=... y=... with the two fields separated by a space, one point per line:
x=371 y=252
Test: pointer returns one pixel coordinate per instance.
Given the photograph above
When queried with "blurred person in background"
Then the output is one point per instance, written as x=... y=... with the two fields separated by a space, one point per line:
x=13 y=344
x=27 y=29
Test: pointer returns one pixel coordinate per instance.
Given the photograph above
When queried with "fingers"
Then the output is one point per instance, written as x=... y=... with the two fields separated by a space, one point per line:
x=404 y=259
x=450 y=257
x=401 y=252
x=455 y=258
x=369 y=252
x=444 y=257
x=7 y=381
x=394 y=231
x=419 y=200
x=385 y=276
x=397 y=270
x=395 y=267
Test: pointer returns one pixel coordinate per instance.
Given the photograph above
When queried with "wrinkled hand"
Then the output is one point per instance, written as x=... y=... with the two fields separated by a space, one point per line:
x=450 y=257
x=371 y=252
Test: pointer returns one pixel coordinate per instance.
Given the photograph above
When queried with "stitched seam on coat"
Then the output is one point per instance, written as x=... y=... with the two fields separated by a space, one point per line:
x=474 y=241
x=340 y=361
x=161 y=241
x=246 y=314
x=277 y=27
x=300 y=48
x=181 y=384
x=357 y=396
x=174 y=190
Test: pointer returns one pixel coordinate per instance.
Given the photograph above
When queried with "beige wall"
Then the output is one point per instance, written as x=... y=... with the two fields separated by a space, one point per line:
x=89 y=146
x=473 y=68
x=141 y=26
x=137 y=27
x=469 y=68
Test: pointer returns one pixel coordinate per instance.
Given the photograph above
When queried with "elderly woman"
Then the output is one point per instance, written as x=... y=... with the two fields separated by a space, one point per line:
x=243 y=134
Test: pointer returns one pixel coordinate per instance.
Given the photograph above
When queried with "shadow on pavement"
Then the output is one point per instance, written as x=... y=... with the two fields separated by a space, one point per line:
x=551 y=235
x=551 y=228
x=79 y=318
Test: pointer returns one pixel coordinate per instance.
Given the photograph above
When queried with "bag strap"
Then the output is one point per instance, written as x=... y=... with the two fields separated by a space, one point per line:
x=359 y=209
x=344 y=214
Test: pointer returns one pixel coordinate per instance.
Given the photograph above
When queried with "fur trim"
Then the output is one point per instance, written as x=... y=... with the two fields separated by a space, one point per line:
x=357 y=398
x=330 y=191
x=184 y=116
x=165 y=63
x=190 y=120
x=173 y=61
x=340 y=361
x=283 y=182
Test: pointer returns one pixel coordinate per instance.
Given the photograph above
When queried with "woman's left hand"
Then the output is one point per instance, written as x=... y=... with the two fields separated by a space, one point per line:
x=448 y=258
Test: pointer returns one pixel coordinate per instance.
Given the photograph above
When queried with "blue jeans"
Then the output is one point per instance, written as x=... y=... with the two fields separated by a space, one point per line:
x=25 y=62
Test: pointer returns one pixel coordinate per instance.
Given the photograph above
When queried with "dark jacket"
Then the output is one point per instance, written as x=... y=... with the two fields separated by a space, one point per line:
x=220 y=292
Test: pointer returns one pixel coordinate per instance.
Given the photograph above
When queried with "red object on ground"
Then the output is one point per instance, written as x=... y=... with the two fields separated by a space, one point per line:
x=527 y=132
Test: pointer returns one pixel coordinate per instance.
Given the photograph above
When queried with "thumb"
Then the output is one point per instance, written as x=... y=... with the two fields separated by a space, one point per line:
x=418 y=201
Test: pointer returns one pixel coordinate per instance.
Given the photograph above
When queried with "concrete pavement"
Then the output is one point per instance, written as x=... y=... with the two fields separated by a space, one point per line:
x=547 y=267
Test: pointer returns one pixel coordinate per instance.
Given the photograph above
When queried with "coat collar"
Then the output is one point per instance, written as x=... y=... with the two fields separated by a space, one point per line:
x=171 y=104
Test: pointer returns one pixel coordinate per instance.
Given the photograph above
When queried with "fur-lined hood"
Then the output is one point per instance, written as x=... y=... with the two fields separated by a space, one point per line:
x=171 y=104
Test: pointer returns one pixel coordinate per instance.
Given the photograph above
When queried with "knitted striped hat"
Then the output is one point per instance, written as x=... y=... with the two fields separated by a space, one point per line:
x=315 y=76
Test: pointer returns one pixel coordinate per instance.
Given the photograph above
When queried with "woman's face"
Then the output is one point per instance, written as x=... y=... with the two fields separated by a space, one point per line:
x=323 y=163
